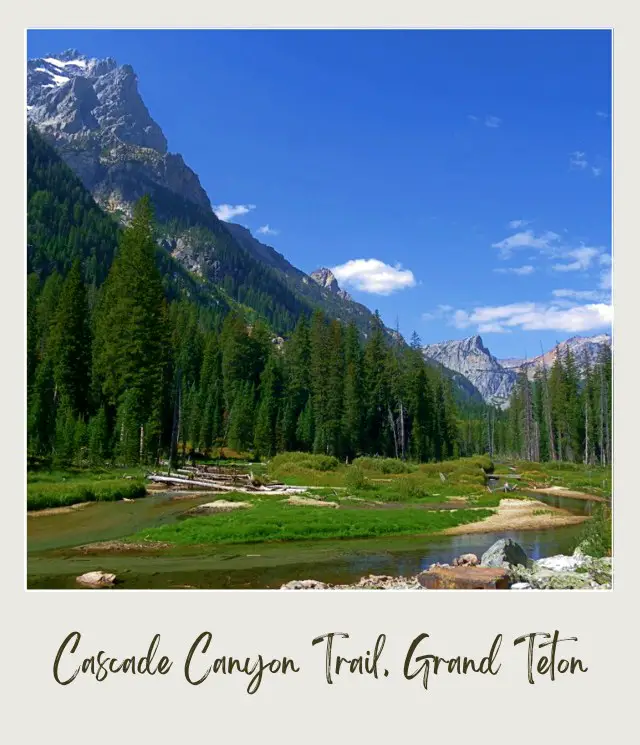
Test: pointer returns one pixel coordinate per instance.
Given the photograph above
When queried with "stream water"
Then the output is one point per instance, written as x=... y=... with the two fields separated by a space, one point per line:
x=53 y=561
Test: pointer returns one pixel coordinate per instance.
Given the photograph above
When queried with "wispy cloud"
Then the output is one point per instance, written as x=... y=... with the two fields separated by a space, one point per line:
x=593 y=295
x=227 y=212
x=547 y=241
x=374 y=276
x=582 y=257
x=535 y=317
x=515 y=224
x=605 y=280
x=577 y=160
x=519 y=270
x=602 y=114
x=489 y=120
x=267 y=230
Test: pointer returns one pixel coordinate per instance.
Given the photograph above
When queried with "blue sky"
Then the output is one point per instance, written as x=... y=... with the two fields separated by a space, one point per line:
x=458 y=181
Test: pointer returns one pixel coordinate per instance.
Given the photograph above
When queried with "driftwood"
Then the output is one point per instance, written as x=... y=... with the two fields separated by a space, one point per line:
x=216 y=483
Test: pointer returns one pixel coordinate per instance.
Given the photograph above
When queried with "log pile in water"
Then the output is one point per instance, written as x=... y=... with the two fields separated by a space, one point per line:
x=219 y=480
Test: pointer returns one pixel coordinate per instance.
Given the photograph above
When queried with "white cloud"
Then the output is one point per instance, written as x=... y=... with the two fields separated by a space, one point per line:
x=596 y=171
x=227 y=212
x=602 y=114
x=492 y=328
x=547 y=241
x=578 y=160
x=492 y=121
x=583 y=258
x=515 y=224
x=472 y=117
x=521 y=271
x=374 y=276
x=267 y=230
x=535 y=317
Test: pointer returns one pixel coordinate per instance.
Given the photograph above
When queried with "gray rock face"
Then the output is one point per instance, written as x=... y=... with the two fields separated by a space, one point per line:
x=504 y=553
x=473 y=360
x=92 y=112
x=495 y=378
x=325 y=278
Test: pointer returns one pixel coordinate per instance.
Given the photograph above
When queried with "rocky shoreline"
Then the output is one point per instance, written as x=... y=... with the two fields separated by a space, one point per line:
x=504 y=565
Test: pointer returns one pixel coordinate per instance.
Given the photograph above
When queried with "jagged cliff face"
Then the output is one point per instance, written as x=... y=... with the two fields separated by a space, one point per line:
x=495 y=378
x=92 y=112
x=473 y=360
x=325 y=278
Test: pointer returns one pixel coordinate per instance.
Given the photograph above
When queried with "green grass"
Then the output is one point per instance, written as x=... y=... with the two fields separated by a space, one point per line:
x=64 y=488
x=590 y=479
x=385 y=479
x=269 y=521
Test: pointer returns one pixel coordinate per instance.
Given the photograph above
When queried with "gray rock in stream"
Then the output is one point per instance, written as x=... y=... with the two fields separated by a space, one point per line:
x=504 y=553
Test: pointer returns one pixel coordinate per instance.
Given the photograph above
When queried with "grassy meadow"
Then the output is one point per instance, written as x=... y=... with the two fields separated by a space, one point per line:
x=57 y=488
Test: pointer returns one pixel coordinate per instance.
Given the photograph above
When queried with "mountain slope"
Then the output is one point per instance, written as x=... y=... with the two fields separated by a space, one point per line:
x=90 y=110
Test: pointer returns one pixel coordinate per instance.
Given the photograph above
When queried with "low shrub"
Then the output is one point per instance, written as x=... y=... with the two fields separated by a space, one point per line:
x=384 y=465
x=596 y=537
x=355 y=478
x=311 y=461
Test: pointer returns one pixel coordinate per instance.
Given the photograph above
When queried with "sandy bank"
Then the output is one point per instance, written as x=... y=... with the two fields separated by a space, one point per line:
x=560 y=491
x=58 y=510
x=519 y=514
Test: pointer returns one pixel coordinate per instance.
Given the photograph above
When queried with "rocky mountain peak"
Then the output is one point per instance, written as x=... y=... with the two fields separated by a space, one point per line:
x=472 y=359
x=91 y=111
x=325 y=278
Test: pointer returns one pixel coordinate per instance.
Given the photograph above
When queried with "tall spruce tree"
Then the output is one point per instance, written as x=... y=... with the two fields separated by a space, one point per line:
x=131 y=338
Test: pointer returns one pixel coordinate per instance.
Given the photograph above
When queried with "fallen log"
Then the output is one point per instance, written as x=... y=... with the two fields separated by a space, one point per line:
x=190 y=482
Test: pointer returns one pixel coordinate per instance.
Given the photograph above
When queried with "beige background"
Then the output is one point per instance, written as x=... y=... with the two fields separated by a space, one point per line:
x=590 y=708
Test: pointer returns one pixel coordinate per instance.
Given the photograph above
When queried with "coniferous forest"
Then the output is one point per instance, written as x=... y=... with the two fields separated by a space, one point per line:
x=128 y=362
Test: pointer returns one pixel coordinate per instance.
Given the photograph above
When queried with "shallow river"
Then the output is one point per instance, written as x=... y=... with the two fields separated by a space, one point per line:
x=54 y=563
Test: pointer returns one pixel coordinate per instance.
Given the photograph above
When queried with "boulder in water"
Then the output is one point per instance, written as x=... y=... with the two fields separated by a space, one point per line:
x=97 y=579
x=504 y=553
x=304 y=584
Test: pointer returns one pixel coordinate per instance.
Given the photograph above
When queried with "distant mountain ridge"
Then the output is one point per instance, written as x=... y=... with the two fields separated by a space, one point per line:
x=581 y=347
x=496 y=378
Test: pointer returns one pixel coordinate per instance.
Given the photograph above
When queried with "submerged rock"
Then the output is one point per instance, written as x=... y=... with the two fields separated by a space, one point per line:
x=504 y=553
x=305 y=584
x=466 y=560
x=97 y=579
